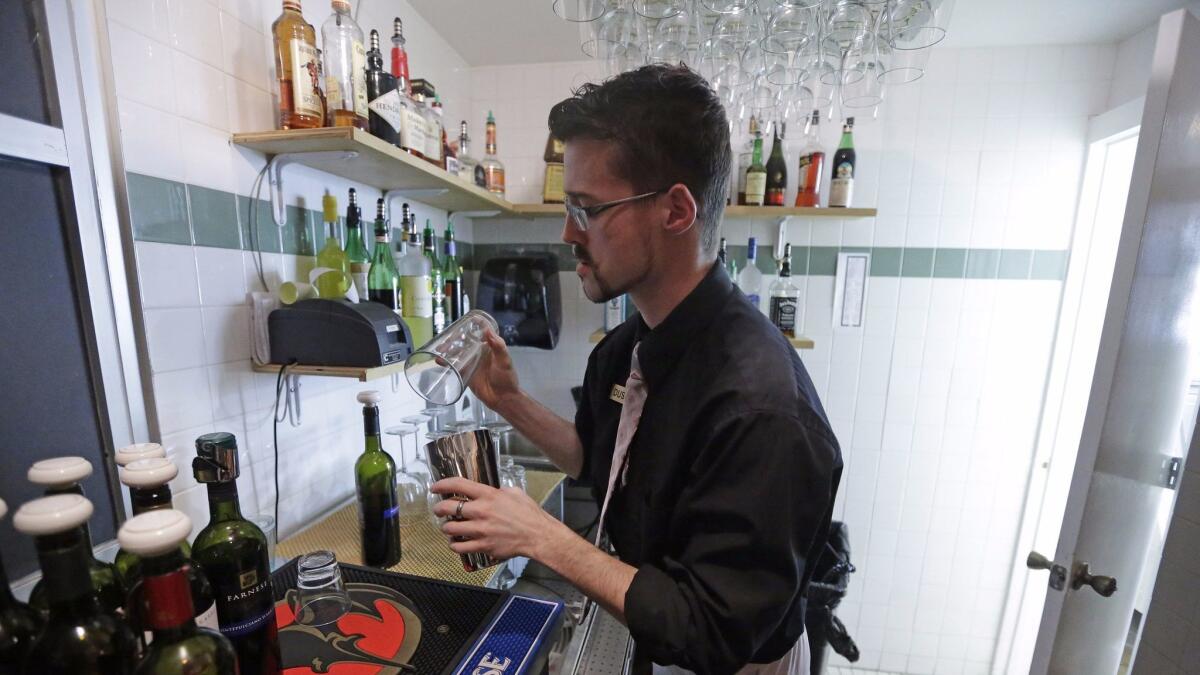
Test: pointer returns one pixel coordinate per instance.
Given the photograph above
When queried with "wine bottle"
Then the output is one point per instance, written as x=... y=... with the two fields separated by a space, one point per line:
x=232 y=552
x=756 y=176
x=383 y=283
x=375 y=482
x=179 y=646
x=437 y=285
x=841 y=187
x=149 y=486
x=19 y=623
x=452 y=279
x=80 y=636
x=59 y=476
x=335 y=281
x=744 y=157
x=415 y=289
x=356 y=253
x=776 y=172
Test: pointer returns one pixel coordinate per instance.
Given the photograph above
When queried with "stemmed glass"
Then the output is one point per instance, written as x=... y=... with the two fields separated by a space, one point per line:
x=412 y=488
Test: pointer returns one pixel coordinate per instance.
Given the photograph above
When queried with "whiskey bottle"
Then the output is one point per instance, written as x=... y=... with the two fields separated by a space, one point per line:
x=776 y=172
x=812 y=165
x=552 y=185
x=841 y=187
x=756 y=176
x=785 y=297
x=493 y=169
x=300 y=102
x=345 y=61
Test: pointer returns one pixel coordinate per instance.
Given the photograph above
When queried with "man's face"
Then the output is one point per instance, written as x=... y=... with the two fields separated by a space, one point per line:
x=616 y=252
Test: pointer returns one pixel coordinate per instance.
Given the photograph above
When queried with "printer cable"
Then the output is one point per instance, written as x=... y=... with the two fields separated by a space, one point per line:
x=279 y=379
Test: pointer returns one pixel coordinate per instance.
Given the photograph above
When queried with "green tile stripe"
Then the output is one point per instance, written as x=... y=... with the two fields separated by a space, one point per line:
x=171 y=212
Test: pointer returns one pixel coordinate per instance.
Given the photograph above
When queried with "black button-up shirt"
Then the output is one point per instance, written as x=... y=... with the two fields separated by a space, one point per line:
x=731 y=481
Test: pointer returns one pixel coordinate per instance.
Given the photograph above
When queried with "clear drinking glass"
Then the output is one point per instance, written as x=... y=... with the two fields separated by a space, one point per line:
x=659 y=9
x=580 y=11
x=266 y=523
x=322 y=596
x=440 y=370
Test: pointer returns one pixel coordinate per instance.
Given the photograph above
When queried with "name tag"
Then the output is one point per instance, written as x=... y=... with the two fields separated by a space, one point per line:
x=617 y=394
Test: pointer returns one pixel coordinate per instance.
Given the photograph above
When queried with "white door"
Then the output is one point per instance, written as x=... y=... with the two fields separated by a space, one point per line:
x=1141 y=411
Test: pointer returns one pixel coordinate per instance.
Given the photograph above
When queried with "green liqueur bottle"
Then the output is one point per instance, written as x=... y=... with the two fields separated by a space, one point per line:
x=80 y=637
x=179 y=647
x=383 y=281
x=232 y=551
x=149 y=486
x=452 y=279
x=59 y=476
x=375 y=481
x=19 y=623
x=331 y=255
x=360 y=262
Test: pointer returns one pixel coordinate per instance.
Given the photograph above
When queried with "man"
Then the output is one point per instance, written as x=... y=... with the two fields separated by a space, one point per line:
x=710 y=454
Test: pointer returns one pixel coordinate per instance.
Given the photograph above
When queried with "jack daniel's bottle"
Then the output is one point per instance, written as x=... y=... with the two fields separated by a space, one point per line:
x=232 y=552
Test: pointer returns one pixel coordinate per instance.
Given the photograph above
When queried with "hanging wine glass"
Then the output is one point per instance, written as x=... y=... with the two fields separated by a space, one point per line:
x=789 y=28
x=580 y=11
x=672 y=37
x=659 y=9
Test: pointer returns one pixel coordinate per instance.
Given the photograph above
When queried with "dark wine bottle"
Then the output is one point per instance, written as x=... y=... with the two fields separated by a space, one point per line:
x=61 y=476
x=383 y=281
x=150 y=490
x=375 y=481
x=776 y=172
x=179 y=646
x=232 y=553
x=80 y=637
x=383 y=105
x=19 y=623
x=452 y=279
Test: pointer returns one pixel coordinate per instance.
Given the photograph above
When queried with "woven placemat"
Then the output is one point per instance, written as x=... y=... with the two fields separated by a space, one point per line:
x=424 y=549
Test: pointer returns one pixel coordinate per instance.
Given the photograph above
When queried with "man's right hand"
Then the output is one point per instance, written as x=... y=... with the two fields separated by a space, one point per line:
x=495 y=381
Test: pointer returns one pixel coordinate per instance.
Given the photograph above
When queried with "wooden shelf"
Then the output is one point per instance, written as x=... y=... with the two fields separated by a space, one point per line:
x=360 y=374
x=384 y=166
x=797 y=342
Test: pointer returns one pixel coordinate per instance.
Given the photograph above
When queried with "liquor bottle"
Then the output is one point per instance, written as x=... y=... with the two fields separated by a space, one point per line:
x=80 y=637
x=552 y=185
x=412 y=117
x=785 y=297
x=345 y=61
x=60 y=476
x=356 y=253
x=614 y=313
x=437 y=286
x=723 y=258
x=416 y=289
x=452 y=279
x=493 y=170
x=841 y=188
x=19 y=623
x=335 y=280
x=432 y=133
x=178 y=645
x=467 y=164
x=776 y=172
x=756 y=176
x=750 y=278
x=400 y=58
x=451 y=157
x=149 y=483
x=383 y=101
x=383 y=282
x=812 y=165
x=232 y=552
x=375 y=483
x=132 y=453
x=297 y=71
x=744 y=159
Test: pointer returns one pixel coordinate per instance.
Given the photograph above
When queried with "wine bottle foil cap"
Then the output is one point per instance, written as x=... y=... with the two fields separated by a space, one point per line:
x=155 y=532
x=149 y=472
x=59 y=471
x=51 y=515
x=216 y=458
x=132 y=453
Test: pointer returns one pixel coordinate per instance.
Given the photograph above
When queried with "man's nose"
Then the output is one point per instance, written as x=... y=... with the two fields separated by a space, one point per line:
x=571 y=233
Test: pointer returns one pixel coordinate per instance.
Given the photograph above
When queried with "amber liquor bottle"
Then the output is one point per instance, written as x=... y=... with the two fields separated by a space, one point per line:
x=300 y=104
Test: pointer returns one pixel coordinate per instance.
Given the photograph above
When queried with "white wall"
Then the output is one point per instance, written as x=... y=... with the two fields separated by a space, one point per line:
x=936 y=401
x=188 y=73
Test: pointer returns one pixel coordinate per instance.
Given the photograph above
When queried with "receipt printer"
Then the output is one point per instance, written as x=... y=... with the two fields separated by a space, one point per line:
x=338 y=333
x=521 y=291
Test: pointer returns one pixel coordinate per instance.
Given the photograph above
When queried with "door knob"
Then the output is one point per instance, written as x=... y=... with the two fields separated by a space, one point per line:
x=1058 y=573
x=1082 y=575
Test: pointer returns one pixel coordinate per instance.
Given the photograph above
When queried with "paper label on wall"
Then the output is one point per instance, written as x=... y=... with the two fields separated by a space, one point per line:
x=359 y=75
x=850 y=290
x=389 y=108
x=306 y=83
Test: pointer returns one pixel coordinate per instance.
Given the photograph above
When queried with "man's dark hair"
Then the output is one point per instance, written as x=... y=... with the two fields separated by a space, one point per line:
x=669 y=127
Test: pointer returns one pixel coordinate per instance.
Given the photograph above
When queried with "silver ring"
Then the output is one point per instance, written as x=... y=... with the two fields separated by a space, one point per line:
x=458 y=511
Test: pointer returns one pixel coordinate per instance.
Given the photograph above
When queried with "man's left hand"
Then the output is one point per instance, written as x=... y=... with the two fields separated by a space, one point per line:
x=502 y=523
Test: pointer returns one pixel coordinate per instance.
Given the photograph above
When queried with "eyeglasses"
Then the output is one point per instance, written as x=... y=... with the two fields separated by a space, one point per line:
x=581 y=214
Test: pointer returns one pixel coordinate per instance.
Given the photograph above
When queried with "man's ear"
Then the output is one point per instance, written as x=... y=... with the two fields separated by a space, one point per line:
x=681 y=209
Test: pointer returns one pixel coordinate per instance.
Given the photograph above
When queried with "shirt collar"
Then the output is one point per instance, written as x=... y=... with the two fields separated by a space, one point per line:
x=662 y=346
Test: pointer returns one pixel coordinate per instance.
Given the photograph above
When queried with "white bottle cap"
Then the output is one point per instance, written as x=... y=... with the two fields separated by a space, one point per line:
x=151 y=472
x=131 y=453
x=59 y=471
x=3 y=508
x=369 y=397
x=155 y=532
x=53 y=514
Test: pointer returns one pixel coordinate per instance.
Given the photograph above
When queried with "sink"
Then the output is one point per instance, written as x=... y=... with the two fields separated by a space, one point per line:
x=526 y=453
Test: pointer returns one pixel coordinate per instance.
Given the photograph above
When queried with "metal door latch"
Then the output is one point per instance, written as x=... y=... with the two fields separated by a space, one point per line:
x=1082 y=575
x=1058 y=573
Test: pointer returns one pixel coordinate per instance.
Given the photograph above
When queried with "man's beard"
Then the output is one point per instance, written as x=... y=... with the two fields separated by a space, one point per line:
x=603 y=290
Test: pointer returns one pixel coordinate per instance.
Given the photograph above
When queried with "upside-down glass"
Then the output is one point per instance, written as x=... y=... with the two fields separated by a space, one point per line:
x=848 y=21
x=322 y=597
x=790 y=28
x=916 y=24
x=580 y=11
x=659 y=9
x=672 y=38
x=440 y=370
x=726 y=6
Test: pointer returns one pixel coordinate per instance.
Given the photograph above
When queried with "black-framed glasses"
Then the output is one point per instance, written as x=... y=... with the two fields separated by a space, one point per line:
x=581 y=214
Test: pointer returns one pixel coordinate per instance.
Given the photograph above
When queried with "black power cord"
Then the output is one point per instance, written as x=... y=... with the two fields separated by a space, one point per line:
x=279 y=379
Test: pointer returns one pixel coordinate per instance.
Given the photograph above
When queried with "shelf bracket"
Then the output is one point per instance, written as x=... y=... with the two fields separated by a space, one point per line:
x=275 y=176
x=415 y=194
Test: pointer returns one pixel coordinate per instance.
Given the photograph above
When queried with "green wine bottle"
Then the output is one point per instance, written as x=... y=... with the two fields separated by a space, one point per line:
x=356 y=253
x=179 y=647
x=232 y=552
x=19 y=623
x=331 y=256
x=416 y=289
x=437 y=287
x=80 y=637
x=59 y=476
x=383 y=282
x=452 y=279
x=150 y=490
x=375 y=481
